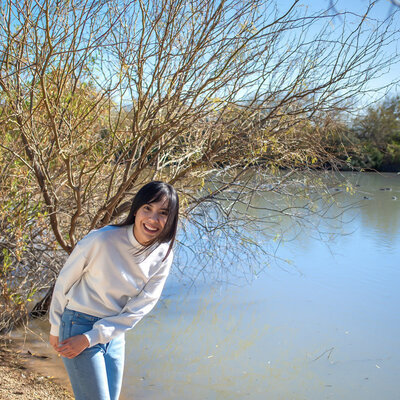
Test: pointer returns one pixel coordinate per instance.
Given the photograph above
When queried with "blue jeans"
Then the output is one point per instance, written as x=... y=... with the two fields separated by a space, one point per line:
x=96 y=373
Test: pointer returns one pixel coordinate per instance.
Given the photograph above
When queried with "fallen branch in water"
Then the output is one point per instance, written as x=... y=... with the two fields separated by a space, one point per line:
x=326 y=351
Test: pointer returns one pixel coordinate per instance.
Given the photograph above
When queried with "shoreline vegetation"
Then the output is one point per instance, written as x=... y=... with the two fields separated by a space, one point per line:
x=21 y=380
x=368 y=142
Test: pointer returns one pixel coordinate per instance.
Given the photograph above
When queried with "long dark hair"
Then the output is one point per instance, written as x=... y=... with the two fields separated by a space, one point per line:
x=153 y=192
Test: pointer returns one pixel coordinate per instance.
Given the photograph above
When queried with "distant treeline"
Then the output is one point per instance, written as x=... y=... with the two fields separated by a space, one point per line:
x=370 y=141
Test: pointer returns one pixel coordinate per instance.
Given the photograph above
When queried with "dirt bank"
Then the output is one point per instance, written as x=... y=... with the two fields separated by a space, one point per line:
x=19 y=381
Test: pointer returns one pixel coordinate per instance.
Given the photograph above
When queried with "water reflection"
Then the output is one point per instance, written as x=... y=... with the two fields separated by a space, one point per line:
x=380 y=215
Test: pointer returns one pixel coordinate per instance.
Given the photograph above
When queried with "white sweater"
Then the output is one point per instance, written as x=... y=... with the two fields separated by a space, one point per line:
x=104 y=277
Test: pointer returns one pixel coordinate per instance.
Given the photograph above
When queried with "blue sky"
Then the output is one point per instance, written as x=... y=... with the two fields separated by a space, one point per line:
x=381 y=10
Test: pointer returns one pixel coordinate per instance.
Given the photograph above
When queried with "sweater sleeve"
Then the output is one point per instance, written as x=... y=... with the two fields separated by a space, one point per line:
x=69 y=274
x=135 y=309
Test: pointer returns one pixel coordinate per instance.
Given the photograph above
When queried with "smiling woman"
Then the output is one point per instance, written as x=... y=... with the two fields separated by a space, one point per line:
x=154 y=214
x=112 y=279
x=150 y=220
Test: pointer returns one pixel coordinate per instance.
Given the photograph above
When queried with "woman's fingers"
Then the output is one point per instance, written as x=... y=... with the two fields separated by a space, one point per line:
x=73 y=346
x=54 y=342
x=69 y=354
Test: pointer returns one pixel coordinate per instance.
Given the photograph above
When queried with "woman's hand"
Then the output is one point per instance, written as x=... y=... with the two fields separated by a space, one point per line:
x=53 y=340
x=73 y=346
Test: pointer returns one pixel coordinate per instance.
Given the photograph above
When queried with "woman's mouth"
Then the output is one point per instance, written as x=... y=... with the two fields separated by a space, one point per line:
x=150 y=229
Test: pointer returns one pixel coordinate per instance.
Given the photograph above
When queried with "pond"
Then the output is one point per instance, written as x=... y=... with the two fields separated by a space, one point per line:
x=324 y=326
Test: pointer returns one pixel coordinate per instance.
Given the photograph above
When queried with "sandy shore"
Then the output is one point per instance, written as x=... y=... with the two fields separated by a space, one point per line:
x=18 y=380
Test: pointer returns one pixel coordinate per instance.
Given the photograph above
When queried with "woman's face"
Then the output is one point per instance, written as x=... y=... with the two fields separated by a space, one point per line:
x=150 y=220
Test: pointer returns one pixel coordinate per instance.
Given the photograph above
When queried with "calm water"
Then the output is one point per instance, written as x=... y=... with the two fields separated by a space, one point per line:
x=326 y=326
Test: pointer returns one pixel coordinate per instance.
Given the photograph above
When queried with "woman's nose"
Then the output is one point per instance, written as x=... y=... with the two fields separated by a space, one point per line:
x=154 y=217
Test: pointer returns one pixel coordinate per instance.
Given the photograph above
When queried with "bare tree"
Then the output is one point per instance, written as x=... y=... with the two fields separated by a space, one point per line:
x=98 y=97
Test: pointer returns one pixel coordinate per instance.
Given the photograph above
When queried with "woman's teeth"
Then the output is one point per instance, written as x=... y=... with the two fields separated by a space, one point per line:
x=150 y=229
